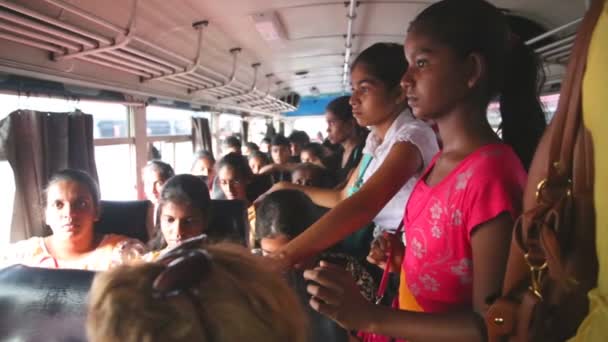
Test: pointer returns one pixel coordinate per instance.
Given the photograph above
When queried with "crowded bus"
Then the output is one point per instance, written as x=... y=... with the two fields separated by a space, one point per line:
x=303 y=170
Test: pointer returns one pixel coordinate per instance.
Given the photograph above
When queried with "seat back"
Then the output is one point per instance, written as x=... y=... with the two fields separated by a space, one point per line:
x=127 y=218
x=38 y=304
x=228 y=221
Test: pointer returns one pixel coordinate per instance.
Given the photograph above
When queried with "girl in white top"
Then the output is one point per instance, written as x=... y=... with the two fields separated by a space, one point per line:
x=400 y=147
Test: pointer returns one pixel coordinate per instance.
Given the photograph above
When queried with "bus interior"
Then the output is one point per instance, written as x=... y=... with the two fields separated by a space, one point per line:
x=145 y=69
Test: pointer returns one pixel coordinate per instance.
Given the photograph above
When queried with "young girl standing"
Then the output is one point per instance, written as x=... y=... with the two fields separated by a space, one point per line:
x=459 y=217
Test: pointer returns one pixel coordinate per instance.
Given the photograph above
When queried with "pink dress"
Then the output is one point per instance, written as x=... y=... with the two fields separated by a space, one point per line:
x=440 y=220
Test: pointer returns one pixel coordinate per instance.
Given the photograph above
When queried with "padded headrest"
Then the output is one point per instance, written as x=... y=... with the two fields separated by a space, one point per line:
x=228 y=221
x=38 y=304
x=127 y=218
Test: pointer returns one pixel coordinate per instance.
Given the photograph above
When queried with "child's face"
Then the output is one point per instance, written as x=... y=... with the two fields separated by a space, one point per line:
x=270 y=245
x=280 y=154
x=179 y=222
x=436 y=79
x=256 y=164
x=304 y=177
x=232 y=185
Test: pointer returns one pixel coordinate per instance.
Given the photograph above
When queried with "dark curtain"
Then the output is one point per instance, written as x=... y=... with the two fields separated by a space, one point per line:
x=244 y=131
x=37 y=144
x=281 y=128
x=201 y=134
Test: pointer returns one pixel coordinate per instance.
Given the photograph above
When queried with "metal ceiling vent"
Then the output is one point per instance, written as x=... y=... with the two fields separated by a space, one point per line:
x=269 y=26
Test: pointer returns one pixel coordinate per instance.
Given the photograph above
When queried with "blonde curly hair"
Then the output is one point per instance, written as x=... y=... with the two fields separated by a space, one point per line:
x=239 y=300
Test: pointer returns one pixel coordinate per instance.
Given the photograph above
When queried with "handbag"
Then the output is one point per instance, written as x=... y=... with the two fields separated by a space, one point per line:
x=372 y=337
x=552 y=262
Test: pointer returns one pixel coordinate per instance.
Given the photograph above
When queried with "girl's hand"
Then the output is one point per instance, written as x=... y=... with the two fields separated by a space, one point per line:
x=336 y=295
x=380 y=249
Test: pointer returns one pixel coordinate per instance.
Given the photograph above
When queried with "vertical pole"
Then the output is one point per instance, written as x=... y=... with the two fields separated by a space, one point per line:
x=139 y=148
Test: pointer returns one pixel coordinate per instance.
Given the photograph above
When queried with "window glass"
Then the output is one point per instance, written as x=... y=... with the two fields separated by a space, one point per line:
x=229 y=125
x=177 y=154
x=168 y=121
x=115 y=171
x=6 y=201
x=110 y=120
x=257 y=130
x=314 y=126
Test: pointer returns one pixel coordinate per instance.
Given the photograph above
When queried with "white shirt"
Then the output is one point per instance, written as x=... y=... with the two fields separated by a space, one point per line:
x=404 y=128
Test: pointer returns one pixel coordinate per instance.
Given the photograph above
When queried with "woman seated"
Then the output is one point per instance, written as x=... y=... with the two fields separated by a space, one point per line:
x=72 y=207
x=214 y=293
x=183 y=213
x=235 y=178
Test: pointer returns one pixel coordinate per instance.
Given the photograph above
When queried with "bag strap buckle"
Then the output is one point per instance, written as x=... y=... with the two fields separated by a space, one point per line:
x=537 y=273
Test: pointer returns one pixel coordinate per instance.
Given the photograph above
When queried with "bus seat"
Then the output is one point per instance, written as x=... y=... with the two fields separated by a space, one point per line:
x=127 y=218
x=228 y=221
x=38 y=304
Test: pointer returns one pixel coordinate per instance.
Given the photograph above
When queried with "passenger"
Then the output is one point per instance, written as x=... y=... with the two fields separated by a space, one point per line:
x=297 y=140
x=343 y=130
x=204 y=166
x=458 y=222
x=280 y=153
x=313 y=153
x=396 y=152
x=285 y=214
x=265 y=146
x=232 y=144
x=257 y=160
x=183 y=211
x=308 y=174
x=235 y=176
x=216 y=293
x=154 y=175
x=72 y=207
x=250 y=148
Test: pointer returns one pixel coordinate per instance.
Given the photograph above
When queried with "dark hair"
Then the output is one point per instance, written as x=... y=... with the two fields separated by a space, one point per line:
x=341 y=108
x=203 y=154
x=260 y=155
x=252 y=147
x=299 y=138
x=233 y=142
x=265 y=140
x=514 y=73
x=183 y=189
x=80 y=177
x=385 y=61
x=316 y=149
x=320 y=176
x=279 y=140
x=238 y=163
x=162 y=169
x=285 y=212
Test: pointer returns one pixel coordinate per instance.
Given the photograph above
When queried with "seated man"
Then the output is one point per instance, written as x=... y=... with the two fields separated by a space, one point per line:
x=297 y=140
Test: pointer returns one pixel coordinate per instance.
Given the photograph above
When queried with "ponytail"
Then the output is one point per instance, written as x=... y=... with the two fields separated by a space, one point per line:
x=523 y=118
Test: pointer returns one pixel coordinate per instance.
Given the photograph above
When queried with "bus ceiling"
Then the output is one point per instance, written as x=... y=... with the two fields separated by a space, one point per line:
x=251 y=57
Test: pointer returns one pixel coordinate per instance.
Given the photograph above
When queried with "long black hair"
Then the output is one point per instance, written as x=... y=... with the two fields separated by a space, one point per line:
x=80 y=177
x=385 y=61
x=513 y=73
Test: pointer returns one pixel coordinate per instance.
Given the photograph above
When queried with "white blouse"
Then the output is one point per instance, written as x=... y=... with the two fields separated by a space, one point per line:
x=404 y=128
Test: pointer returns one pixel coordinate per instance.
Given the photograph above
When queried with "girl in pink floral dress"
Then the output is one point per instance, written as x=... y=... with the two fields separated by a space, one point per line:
x=458 y=221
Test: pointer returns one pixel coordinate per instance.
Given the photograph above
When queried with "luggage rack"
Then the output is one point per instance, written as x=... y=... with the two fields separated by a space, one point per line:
x=559 y=50
x=123 y=52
